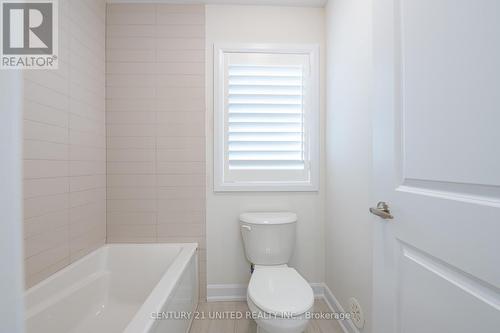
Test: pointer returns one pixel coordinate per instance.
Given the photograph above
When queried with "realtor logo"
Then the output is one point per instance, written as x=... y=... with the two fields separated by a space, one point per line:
x=29 y=34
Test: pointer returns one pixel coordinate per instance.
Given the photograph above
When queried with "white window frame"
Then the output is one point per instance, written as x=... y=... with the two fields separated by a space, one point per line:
x=312 y=128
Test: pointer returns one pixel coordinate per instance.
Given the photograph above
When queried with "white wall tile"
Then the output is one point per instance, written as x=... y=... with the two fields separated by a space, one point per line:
x=45 y=114
x=130 y=14
x=86 y=197
x=140 y=117
x=34 y=169
x=131 y=142
x=180 y=31
x=130 y=218
x=45 y=186
x=132 y=205
x=42 y=150
x=82 y=183
x=132 y=231
x=44 y=260
x=37 y=225
x=166 y=216
x=38 y=206
x=64 y=147
x=155 y=114
x=180 y=168
x=85 y=168
x=34 y=130
x=126 y=30
x=131 y=168
x=46 y=240
x=131 y=180
x=130 y=55
x=172 y=18
x=130 y=155
x=132 y=192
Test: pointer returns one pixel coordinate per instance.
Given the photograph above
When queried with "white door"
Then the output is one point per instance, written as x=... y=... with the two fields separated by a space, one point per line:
x=437 y=163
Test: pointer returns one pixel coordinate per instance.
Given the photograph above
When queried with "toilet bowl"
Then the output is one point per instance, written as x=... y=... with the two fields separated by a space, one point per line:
x=278 y=296
x=279 y=299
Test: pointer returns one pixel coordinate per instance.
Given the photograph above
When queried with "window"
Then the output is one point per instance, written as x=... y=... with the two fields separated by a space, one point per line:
x=266 y=132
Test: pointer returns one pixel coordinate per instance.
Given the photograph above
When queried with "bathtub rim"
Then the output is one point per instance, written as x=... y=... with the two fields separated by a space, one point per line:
x=141 y=321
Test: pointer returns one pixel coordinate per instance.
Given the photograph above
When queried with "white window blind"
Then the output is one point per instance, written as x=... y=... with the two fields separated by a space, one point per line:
x=266 y=114
x=265 y=118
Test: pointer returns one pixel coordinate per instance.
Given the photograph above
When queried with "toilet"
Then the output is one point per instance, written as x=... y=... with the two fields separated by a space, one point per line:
x=277 y=295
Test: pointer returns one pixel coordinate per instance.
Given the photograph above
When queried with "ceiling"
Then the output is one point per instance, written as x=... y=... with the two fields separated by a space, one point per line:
x=305 y=3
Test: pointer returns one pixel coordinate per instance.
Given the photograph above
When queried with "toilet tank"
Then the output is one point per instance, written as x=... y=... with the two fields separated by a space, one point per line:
x=268 y=238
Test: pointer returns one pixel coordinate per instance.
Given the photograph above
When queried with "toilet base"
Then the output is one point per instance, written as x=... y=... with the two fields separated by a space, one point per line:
x=278 y=325
x=261 y=330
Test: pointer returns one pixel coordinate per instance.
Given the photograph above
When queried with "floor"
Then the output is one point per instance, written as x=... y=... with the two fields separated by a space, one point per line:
x=207 y=325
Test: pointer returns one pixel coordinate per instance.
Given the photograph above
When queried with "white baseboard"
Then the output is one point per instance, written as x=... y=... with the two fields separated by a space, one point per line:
x=226 y=292
x=238 y=292
x=318 y=289
x=330 y=299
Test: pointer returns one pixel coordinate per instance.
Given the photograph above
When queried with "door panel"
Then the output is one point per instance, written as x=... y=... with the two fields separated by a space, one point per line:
x=465 y=235
x=450 y=76
x=448 y=121
x=437 y=164
x=429 y=287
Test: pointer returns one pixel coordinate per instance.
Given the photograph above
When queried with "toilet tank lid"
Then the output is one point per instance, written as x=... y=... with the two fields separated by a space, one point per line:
x=268 y=217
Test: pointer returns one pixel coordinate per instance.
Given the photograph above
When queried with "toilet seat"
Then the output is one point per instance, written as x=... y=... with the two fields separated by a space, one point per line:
x=280 y=291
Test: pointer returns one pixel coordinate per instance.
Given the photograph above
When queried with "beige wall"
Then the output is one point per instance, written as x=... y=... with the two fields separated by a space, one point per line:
x=349 y=152
x=64 y=146
x=155 y=119
x=226 y=259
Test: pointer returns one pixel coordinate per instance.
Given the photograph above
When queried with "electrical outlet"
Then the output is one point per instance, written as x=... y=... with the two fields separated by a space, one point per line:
x=357 y=316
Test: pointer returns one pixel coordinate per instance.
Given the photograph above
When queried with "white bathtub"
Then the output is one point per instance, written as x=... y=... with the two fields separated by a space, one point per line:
x=118 y=288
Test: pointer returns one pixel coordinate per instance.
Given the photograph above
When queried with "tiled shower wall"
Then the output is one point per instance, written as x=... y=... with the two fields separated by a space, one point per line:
x=64 y=146
x=155 y=119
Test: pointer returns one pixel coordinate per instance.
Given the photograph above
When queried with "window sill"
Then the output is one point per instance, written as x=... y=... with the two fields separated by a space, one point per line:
x=266 y=187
